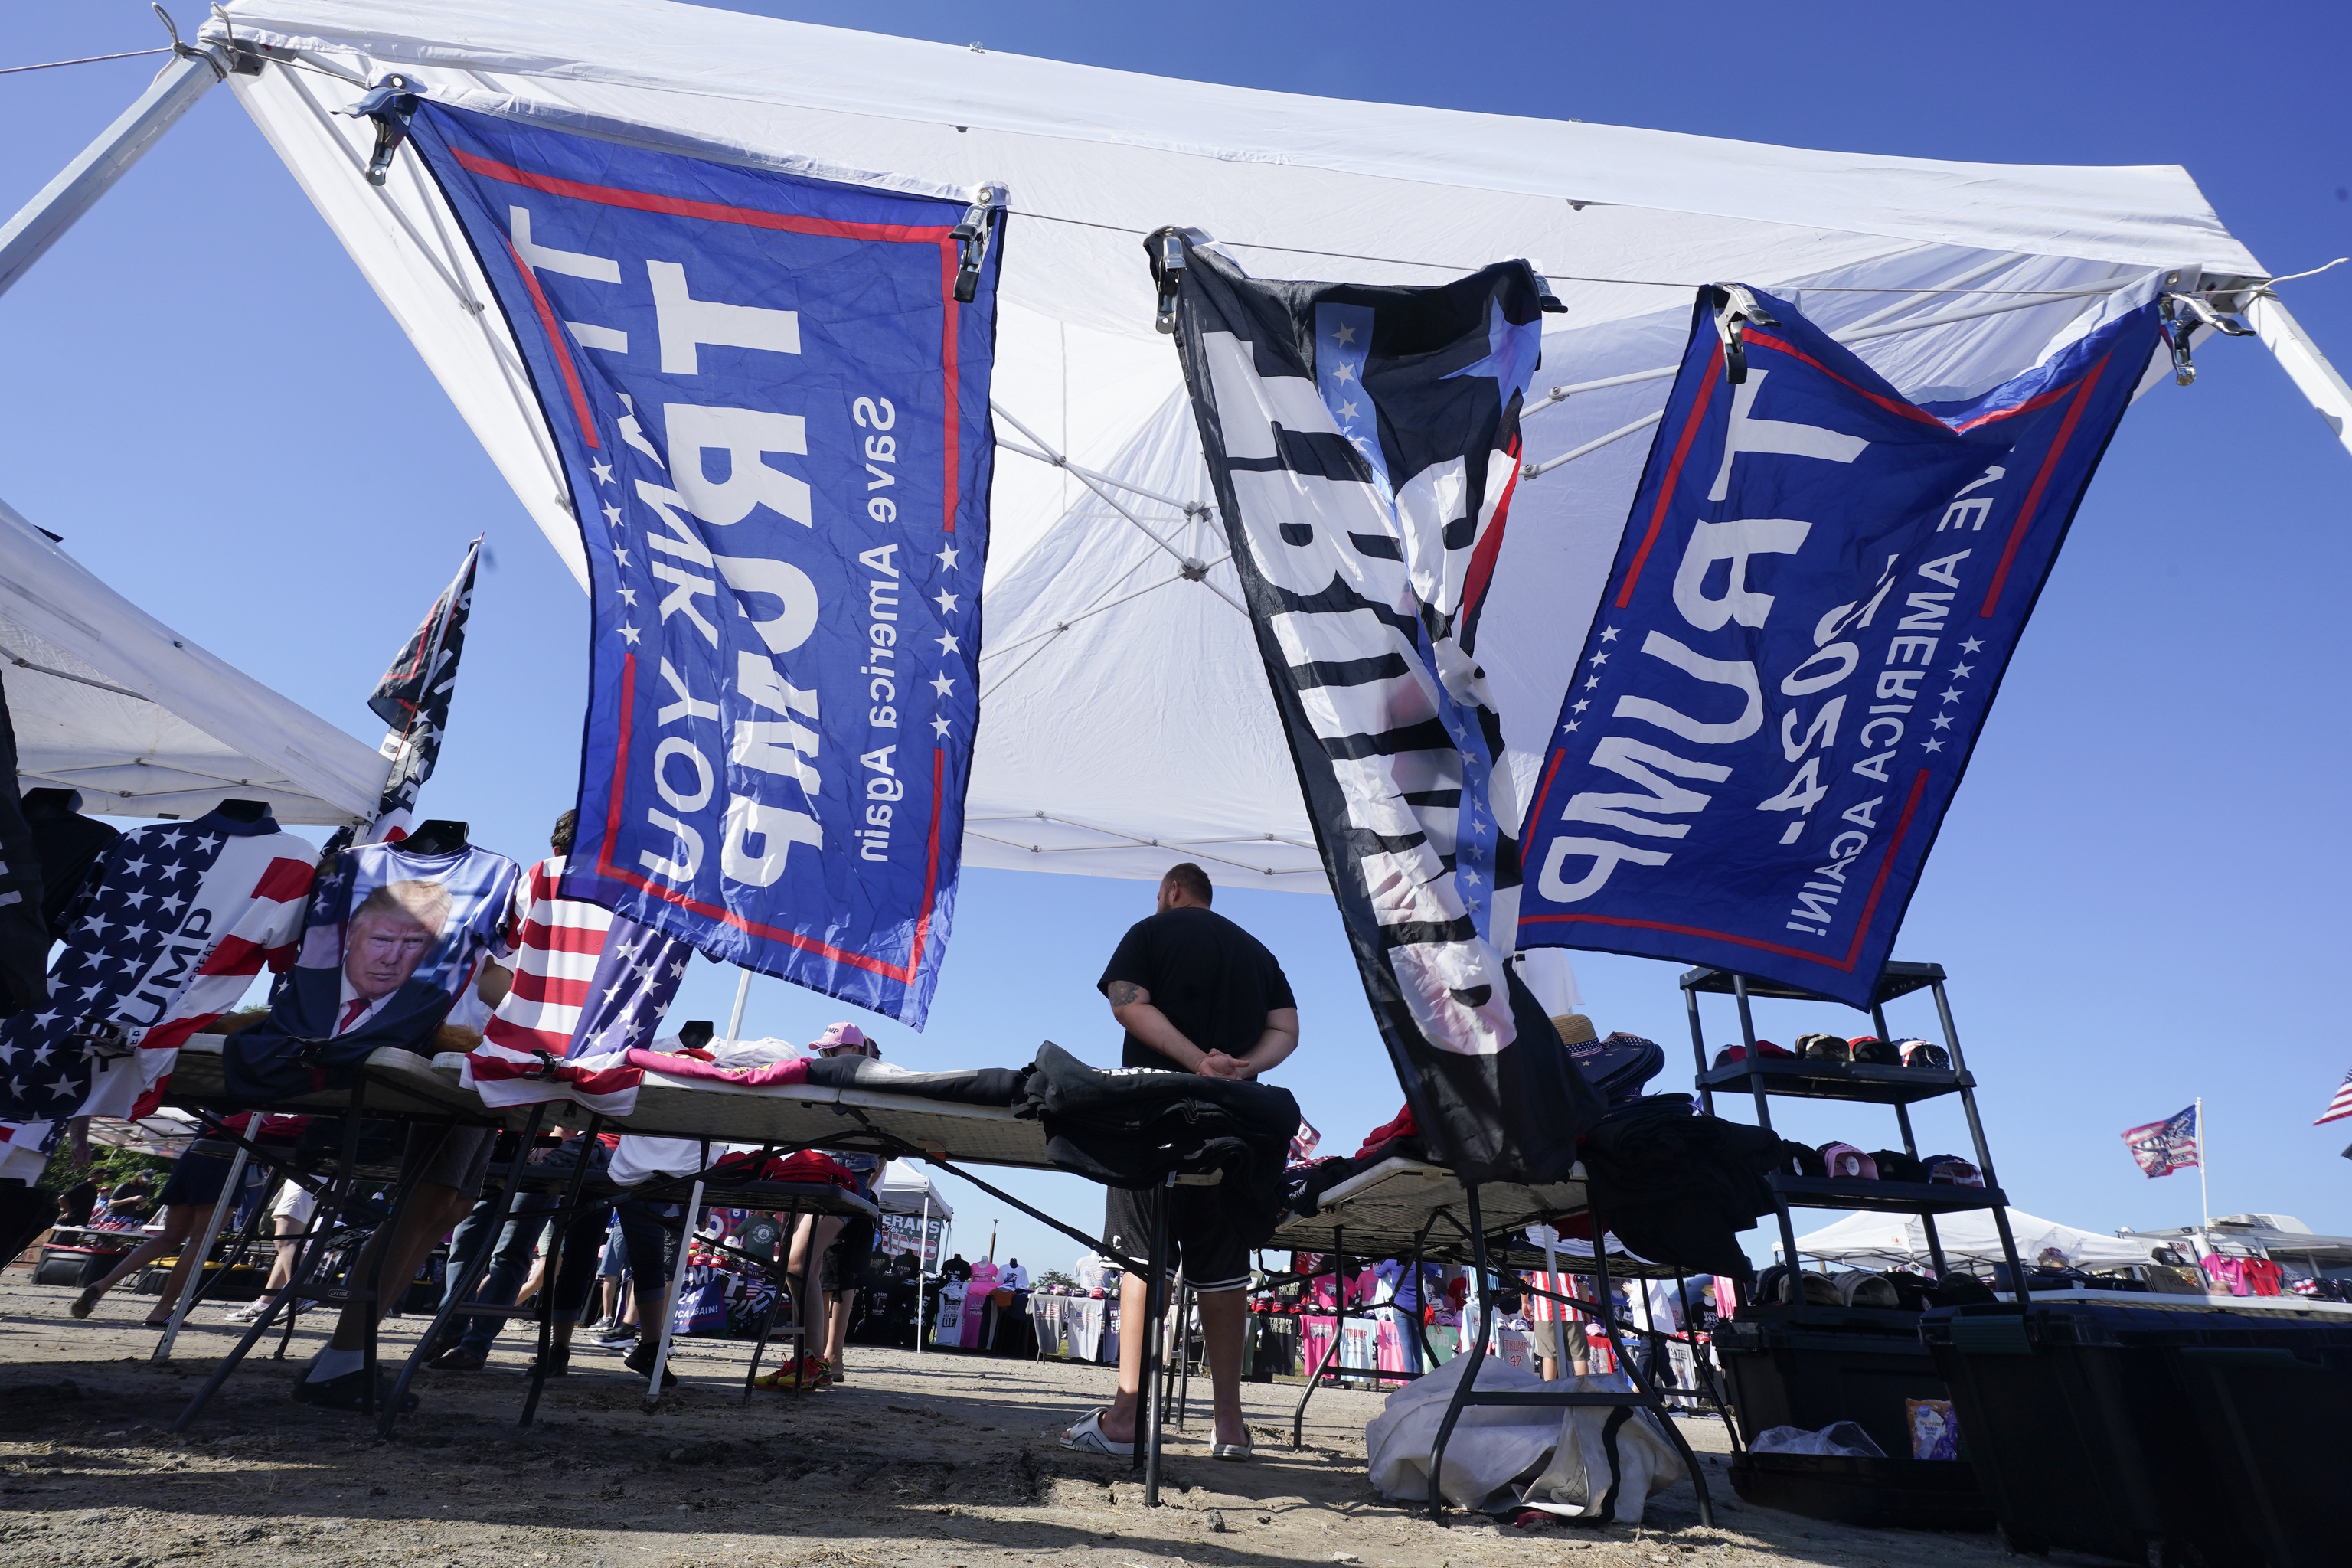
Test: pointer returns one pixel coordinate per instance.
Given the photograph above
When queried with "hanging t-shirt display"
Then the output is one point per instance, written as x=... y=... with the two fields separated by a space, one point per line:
x=589 y=986
x=390 y=941
x=173 y=925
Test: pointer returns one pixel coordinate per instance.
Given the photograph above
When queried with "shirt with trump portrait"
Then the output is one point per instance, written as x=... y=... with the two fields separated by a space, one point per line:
x=390 y=940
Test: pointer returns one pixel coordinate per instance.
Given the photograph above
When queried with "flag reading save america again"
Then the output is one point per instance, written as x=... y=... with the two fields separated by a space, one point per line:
x=1363 y=443
x=770 y=394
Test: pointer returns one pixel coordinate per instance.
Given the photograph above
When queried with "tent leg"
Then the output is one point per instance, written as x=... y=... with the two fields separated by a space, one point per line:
x=2297 y=355
x=41 y=222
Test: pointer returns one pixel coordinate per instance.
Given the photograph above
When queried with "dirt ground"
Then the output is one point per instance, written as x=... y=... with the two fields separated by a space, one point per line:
x=938 y=1460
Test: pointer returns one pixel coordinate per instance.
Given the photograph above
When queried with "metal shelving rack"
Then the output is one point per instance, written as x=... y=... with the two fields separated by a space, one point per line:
x=1869 y=1083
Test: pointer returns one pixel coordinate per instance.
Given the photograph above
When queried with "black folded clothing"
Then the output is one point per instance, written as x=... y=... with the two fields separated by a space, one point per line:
x=1619 y=1065
x=1875 y=1052
x=1132 y=1127
x=1677 y=1187
x=975 y=1086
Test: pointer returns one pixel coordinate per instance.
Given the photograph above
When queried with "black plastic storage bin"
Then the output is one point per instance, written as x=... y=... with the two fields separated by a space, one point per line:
x=1811 y=1366
x=1910 y=1494
x=2162 y=1431
x=78 y=1267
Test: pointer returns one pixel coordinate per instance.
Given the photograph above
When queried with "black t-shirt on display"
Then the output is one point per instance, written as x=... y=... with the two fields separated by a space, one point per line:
x=1214 y=981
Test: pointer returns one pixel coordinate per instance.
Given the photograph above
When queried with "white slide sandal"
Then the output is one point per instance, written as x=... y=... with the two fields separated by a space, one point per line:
x=1086 y=1438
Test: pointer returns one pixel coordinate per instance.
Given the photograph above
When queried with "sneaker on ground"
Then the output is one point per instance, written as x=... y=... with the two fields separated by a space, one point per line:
x=617 y=1338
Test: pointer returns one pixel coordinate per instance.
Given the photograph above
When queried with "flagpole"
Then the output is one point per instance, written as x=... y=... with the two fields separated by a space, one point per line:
x=2204 y=1194
x=742 y=993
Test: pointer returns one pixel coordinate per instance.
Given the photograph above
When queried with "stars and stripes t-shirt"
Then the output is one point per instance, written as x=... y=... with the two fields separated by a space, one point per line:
x=171 y=928
x=557 y=945
x=588 y=987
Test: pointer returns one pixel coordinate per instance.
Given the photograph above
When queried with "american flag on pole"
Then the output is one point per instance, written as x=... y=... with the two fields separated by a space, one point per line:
x=2165 y=1146
x=413 y=699
x=2340 y=1106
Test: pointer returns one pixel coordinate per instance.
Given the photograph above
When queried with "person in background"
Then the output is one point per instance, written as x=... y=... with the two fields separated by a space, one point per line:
x=1195 y=993
x=196 y=1184
x=842 y=1248
x=289 y=1219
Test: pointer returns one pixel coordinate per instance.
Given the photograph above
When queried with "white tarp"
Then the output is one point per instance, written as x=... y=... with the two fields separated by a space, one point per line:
x=109 y=700
x=1125 y=723
x=905 y=1187
x=1888 y=1241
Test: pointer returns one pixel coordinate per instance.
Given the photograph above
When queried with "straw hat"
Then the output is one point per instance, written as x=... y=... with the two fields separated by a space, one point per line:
x=1575 y=1030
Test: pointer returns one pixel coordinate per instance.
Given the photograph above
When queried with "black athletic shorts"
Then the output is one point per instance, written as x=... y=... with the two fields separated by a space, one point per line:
x=1212 y=1258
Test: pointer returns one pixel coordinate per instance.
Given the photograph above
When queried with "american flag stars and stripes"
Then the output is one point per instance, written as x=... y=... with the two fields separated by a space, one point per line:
x=2165 y=1146
x=588 y=987
x=2340 y=1106
x=175 y=922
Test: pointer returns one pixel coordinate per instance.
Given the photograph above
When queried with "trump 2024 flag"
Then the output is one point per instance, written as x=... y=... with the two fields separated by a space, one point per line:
x=771 y=411
x=2165 y=1146
x=1813 y=604
x=1363 y=443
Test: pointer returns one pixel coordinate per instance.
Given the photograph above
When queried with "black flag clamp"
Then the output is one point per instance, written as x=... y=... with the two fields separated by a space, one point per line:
x=972 y=236
x=1736 y=309
x=389 y=103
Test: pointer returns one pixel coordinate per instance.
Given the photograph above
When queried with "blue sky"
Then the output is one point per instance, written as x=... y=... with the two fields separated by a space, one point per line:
x=2137 y=892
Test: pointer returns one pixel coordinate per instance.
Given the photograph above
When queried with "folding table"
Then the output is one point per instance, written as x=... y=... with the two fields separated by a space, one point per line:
x=1413 y=1211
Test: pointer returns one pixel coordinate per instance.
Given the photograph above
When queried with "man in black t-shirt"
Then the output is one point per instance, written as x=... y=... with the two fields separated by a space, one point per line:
x=1195 y=993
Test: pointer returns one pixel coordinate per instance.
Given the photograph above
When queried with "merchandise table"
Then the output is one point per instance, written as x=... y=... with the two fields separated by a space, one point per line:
x=1415 y=1212
x=403 y=1085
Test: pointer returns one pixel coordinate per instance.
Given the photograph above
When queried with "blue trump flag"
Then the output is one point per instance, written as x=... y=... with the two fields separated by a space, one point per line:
x=771 y=410
x=1818 y=590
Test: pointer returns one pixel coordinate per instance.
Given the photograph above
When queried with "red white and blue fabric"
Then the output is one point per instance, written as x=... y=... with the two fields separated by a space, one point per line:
x=588 y=987
x=174 y=923
x=2340 y=1106
x=1811 y=609
x=786 y=659
x=2165 y=1146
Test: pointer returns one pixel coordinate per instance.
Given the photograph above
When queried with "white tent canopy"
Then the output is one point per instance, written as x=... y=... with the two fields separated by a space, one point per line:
x=1125 y=723
x=905 y=1187
x=109 y=700
x=1889 y=1241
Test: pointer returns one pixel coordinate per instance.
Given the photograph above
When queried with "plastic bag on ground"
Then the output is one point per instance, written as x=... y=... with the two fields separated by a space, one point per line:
x=1839 y=1439
x=1575 y=1485
x=1491 y=1448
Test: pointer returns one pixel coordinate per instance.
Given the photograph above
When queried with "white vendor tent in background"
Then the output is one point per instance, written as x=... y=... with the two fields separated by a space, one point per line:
x=109 y=700
x=1125 y=723
x=1892 y=1241
x=906 y=1188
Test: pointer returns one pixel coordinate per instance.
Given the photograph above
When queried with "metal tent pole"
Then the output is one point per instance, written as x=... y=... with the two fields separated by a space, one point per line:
x=742 y=995
x=43 y=221
x=2306 y=366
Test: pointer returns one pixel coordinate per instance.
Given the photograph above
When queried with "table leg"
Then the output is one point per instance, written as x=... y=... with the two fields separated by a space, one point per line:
x=669 y=1305
x=1155 y=1308
x=1474 y=1355
x=1338 y=1331
x=195 y=1279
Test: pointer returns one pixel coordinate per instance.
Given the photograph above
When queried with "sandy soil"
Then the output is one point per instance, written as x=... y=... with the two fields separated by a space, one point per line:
x=933 y=1460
